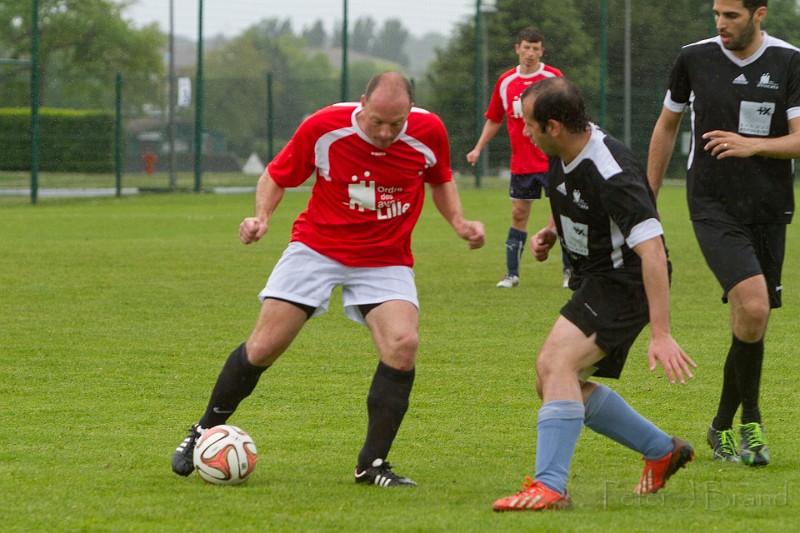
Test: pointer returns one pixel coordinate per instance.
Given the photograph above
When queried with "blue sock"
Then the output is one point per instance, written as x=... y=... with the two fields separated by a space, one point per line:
x=559 y=426
x=515 y=244
x=608 y=414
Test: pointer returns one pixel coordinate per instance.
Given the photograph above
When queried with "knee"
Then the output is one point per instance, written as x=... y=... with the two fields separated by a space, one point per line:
x=401 y=350
x=751 y=319
x=261 y=352
x=520 y=214
x=545 y=370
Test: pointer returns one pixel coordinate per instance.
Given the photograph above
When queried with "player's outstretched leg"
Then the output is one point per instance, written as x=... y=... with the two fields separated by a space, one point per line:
x=235 y=382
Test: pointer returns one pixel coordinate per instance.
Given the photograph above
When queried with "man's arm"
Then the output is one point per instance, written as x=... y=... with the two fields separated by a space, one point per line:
x=728 y=144
x=490 y=129
x=663 y=347
x=268 y=195
x=662 y=143
x=445 y=197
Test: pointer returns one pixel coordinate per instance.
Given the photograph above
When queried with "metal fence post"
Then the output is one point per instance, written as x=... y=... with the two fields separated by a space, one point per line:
x=198 y=117
x=35 y=103
x=118 y=135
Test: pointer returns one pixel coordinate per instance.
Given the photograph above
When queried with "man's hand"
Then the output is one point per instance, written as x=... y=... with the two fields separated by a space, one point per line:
x=541 y=243
x=473 y=232
x=673 y=359
x=252 y=229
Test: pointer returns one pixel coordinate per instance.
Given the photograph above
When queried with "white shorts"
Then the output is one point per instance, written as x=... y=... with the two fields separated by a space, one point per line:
x=306 y=277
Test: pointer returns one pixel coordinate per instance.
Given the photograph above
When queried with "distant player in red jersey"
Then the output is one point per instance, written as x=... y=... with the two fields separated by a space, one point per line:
x=372 y=160
x=528 y=163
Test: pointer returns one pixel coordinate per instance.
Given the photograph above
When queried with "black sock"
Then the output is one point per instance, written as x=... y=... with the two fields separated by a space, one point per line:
x=387 y=403
x=236 y=381
x=729 y=398
x=749 y=357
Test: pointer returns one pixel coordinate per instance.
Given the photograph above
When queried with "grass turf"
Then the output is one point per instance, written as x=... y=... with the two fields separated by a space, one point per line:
x=117 y=315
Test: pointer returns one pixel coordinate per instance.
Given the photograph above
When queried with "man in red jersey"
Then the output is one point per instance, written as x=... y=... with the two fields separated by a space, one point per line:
x=372 y=161
x=528 y=163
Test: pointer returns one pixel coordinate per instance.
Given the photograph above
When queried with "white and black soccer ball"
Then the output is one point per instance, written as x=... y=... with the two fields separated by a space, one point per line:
x=225 y=455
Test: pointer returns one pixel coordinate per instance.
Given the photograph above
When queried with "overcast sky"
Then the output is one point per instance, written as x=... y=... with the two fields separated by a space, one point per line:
x=230 y=17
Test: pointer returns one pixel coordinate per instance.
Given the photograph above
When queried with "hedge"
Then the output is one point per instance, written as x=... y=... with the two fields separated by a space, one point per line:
x=69 y=140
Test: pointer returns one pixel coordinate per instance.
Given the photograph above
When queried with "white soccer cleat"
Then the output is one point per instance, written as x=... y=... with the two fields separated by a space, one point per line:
x=508 y=282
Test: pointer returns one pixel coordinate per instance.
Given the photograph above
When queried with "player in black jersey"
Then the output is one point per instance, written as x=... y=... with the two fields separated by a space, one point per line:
x=605 y=217
x=743 y=87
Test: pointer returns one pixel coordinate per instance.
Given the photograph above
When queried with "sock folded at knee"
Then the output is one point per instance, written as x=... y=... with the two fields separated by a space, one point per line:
x=608 y=414
x=387 y=403
x=558 y=426
x=236 y=381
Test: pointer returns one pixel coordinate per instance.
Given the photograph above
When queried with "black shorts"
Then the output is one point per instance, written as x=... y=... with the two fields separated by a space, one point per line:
x=528 y=186
x=735 y=252
x=614 y=306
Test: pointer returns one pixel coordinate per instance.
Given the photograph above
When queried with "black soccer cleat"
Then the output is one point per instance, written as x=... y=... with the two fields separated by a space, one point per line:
x=183 y=458
x=380 y=473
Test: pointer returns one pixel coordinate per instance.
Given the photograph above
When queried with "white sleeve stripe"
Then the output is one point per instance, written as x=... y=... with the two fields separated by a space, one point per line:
x=672 y=105
x=793 y=112
x=644 y=231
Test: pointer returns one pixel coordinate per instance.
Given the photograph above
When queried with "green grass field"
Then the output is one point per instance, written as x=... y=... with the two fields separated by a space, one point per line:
x=117 y=315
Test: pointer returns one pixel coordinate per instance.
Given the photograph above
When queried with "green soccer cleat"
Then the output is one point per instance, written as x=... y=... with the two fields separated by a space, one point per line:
x=723 y=443
x=754 y=450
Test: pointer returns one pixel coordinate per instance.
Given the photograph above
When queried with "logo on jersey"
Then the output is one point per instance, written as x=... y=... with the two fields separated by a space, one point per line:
x=577 y=200
x=766 y=83
x=516 y=106
x=755 y=118
x=366 y=196
x=562 y=188
x=740 y=80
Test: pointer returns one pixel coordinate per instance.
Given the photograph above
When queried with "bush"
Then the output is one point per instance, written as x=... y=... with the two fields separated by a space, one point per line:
x=69 y=140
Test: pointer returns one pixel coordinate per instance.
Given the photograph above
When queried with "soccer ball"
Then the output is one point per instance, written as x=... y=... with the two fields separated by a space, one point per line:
x=225 y=455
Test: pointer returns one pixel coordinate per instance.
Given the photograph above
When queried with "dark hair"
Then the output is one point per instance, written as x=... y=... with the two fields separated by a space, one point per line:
x=530 y=34
x=389 y=76
x=558 y=99
x=752 y=5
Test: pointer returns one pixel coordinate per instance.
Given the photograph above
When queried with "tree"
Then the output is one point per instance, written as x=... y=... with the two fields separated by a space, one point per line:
x=82 y=44
x=315 y=36
x=390 y=42
x=236 y=80
x=362 y=36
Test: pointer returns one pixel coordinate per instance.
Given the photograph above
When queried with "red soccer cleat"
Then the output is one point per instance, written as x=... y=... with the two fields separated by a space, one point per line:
x=534 y=497
x=657 y=472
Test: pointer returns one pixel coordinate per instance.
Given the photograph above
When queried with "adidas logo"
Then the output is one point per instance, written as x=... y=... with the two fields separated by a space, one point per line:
x=740 y=80
x=562 y=189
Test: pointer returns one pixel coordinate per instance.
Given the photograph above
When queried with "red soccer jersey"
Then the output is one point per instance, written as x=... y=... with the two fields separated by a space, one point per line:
x=365 y=201
x=526 y=158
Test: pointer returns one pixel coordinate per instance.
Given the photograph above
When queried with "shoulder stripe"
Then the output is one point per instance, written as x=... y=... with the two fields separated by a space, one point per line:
x=323 y=146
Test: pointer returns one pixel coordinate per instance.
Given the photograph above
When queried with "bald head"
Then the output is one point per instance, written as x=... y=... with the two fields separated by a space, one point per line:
x=391 y=85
